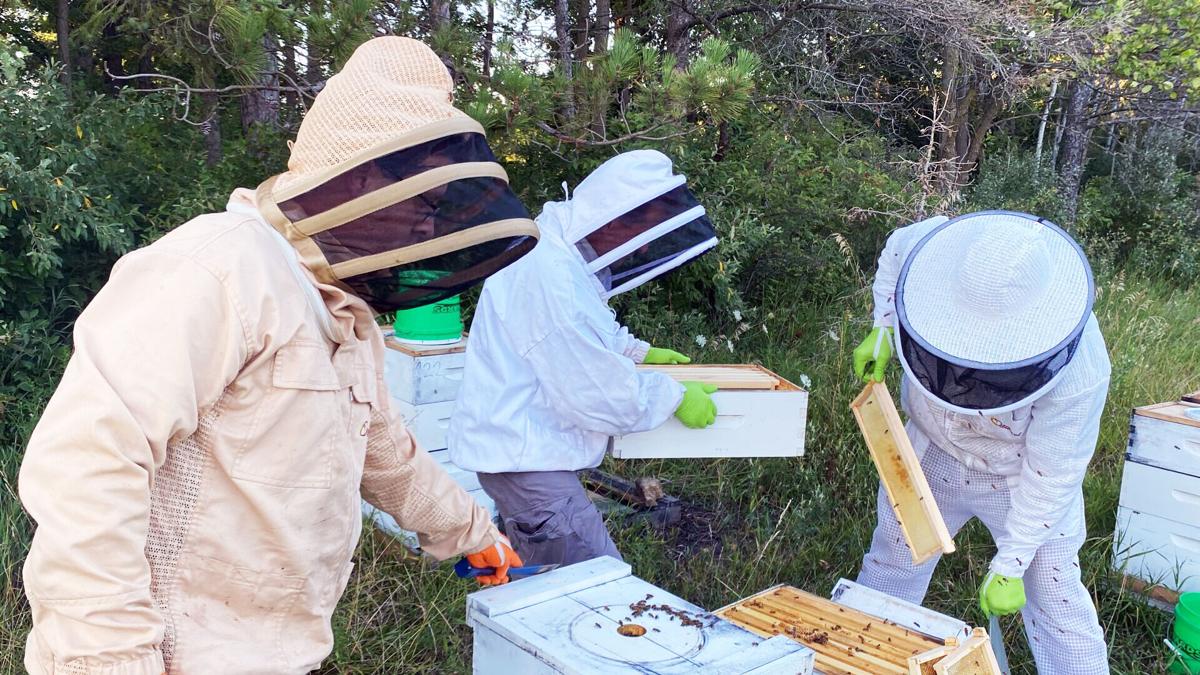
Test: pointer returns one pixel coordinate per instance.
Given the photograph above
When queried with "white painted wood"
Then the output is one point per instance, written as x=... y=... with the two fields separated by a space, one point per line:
x=1157 y=550
x=1167 y=444
x=467 y=479
x=571 y=626
x=428 y=422
x=914 y=617
x=419 y=379
x=785 y=659
x=502 y=653
x=532 y=590
x=1160 y=492
x=749 y=424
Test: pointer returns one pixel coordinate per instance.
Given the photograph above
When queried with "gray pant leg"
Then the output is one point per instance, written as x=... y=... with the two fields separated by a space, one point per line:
x=548 y=517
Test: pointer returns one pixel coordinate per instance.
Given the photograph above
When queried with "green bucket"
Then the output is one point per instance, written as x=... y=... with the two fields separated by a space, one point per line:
x=1186 y=635
x=433 y=324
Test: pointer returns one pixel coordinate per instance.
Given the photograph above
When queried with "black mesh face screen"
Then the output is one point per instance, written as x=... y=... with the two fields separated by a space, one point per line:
x=453 y=207
x=450 y=274
x=661 y=251
x=630 y=224
x=386 y=170
x=978 y=389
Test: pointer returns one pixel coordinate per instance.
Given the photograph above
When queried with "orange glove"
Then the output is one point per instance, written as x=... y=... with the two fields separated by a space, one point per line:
x=500 y=556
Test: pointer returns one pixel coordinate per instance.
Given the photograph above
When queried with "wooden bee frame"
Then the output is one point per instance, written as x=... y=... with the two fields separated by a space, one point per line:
x=900 y=472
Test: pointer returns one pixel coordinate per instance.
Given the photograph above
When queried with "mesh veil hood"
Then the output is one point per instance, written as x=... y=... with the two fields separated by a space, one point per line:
x=633 y=219
x=391 y=192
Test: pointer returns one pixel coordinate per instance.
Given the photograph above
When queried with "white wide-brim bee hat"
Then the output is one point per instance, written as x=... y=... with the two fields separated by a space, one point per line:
x=990 y=309
x=391 y=192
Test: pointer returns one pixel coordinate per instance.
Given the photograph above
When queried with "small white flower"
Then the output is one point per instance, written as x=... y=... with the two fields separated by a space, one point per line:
x=701 y=341
x=805 y=381
x=737 y=315
x=833 y=335
x=764 y=327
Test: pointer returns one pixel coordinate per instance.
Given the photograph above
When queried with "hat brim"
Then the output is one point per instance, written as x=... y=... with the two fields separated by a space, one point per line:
x=937 y=316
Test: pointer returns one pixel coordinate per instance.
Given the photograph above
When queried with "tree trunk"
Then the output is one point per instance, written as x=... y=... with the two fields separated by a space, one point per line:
x=946 y=117
x=677 y=31
x=291 y=101
x=582 y=23
x=983 y=125
x=562 y=30
x=489 y=37
x=439 y=14
x=722 y=142
x=63 y=28
x=1041 y=133
x=603 y=21
x=212 y=128
x=260 y=107
x=1076 y=132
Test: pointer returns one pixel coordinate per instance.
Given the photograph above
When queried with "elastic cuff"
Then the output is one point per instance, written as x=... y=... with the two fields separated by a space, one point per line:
x=637 y=353
x=1008 y=566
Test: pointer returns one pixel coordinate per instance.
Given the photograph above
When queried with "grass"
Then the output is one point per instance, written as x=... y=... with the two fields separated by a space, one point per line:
x=757 y=523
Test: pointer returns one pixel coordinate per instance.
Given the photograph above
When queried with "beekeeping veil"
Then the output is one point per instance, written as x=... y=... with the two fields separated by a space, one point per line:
x=990 y=309
x=633 y=219
x=391 y=192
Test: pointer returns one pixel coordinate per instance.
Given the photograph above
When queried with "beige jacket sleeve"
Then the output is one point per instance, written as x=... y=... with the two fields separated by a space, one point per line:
x=154 y=349
x=401 y=478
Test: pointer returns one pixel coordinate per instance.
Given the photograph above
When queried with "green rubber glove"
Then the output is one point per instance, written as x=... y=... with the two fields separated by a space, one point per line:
x=697 y=409
x=660 y=356
x=1000 y=595
x=872 y=355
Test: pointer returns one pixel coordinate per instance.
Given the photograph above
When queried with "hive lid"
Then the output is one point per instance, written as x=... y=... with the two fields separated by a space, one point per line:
x=1178 y=412
x=573 y=619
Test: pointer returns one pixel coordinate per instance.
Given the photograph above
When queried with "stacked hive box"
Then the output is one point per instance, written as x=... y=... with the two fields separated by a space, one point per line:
x=1158 y=521
x=423 y=383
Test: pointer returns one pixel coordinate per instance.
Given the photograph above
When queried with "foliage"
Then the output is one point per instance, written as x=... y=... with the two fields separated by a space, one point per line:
x=1155 y=45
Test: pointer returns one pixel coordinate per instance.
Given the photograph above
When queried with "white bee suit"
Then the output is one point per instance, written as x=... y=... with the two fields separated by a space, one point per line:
x=1020 y=471
x=550 y=374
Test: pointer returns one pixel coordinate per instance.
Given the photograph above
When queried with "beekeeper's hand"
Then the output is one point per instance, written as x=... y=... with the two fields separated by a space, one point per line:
x=660 y=356
x=500 y=556
x=872 y=355
x=697 y=409
x=1000 y=595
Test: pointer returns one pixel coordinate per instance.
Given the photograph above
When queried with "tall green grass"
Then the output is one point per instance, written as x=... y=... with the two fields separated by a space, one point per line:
x=756 y=523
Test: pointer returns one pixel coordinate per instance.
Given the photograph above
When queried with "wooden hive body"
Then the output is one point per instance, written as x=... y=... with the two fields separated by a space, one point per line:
x=1157 y=540
x=759 y=414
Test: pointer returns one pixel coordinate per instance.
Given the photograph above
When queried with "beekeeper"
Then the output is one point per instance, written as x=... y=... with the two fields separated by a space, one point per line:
x=550 y=372
x=1005 y=377
x=195 y=478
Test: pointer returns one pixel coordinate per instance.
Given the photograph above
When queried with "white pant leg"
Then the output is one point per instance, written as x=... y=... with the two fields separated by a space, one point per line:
x=888 y=566
x=1060 y=620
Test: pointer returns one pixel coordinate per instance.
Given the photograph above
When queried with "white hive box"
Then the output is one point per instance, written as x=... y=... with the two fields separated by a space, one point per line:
x=759 y=414
x=1157 y=539
x=428 y=422
x=567 y=621
x=420 y=375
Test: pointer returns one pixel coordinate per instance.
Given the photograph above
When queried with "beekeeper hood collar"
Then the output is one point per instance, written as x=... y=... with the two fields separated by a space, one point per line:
x=633 y=219
x=991 y=307
x=391 y=192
